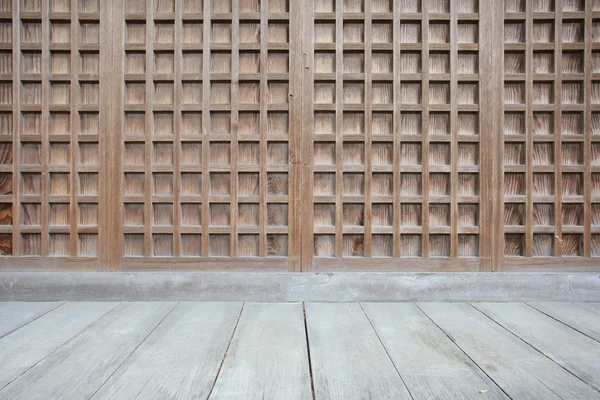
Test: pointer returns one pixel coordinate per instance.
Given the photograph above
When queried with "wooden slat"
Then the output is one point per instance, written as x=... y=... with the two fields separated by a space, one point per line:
x=206 y=26
x=453 y=129
x=521 y=371
x=595 y=307
x=14 y=315
x=425 y=124
x=296 y=116
x=573 y=351
x=110 y=211
x=430 y=364
x=347 y=358
x=339 y=127
x=26 y=347
x=165 y=365
x=529 y=124
x=574 y=315
x=178 y=96
x=588 y=68
x=368 y=93
x=397 y=120
x=491 y=146
x=44 y=128
x=268 y=355
x=94 y=354
x=307 y=134
x=262 y=217
x=557 y=87
x=113 y=220
x=148 y=127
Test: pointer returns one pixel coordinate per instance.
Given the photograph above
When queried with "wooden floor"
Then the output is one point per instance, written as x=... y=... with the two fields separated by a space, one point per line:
x=299 y=351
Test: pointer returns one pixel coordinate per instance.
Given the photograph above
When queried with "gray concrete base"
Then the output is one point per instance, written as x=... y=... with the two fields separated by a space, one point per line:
x=333 y=287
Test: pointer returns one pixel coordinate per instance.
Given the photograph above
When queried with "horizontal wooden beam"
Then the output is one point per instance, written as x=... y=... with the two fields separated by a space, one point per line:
x=335 y=287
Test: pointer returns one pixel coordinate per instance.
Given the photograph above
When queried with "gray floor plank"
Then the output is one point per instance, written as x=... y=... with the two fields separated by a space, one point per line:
x=521 y=371
x=567 y=347
x=78 y=368
x=22 y=349
x=431 y=365
x=267 y=357
x=595 y=307
x=347 y=358
x=180 y=359
x=577 y=317
x=14 y=315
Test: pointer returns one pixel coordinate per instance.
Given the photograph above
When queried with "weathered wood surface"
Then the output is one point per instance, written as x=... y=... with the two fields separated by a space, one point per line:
x=574 y=315
x=198 y=286
x=22 y=349
x=259 y=350
x=268 y=355
x=523 y=372
x=180 y=358
x=348 y=360
x=14 y=315
x=570 y=349
x=432 y=366
x=595 y=307
x=79 y=368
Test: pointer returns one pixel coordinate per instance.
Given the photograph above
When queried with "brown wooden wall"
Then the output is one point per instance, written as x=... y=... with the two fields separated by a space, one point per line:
x=289 y=135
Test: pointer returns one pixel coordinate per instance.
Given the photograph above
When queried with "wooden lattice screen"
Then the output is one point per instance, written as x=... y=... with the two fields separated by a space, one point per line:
x=289 y=135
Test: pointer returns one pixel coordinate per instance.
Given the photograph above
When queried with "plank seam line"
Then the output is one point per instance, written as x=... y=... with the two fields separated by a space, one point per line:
x=463 y=351
x=59 y=347
x=386 y=351
x=35 y=319
x=133 y=351
x=586 y=308
x=226 y=351
x=310 y=372
x=564 y=323
x=535 y=348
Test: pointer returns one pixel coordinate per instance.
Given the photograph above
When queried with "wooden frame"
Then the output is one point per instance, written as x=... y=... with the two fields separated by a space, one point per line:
x=288 y=135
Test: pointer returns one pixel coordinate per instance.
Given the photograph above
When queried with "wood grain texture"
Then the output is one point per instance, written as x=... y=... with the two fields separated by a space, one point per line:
x=25 y=348
x=573 y=315
x=165 y=366
x=348 y=360
x=268 y=355
x=431 y=365
x=455 y=136
x=575 y=352
x=14 y=315
x=520 y=370
x=95 y=353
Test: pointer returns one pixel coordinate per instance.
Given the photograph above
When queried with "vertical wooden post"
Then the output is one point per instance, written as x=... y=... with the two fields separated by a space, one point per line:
x=491 y=144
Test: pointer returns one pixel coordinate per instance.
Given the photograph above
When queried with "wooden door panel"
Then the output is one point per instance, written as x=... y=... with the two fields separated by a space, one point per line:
x=53 y=124
x=393 y=116
x=207 y=138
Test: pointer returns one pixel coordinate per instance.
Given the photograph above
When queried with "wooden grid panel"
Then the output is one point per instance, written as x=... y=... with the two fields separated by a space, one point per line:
x=206 y=132
x=396 y=134
x=550 y=149
x=49 y=129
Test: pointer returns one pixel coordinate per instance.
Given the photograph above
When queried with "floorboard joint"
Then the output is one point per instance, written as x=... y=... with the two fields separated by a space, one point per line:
x=312 y=382
x=226 y=350
x=59 y=347
x=562 y=322
x=386 y=351
x=463 y=351
x=34 y=319
x=534 y=348
x=134 y=350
